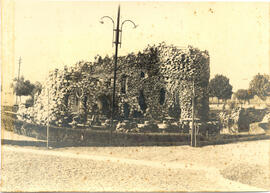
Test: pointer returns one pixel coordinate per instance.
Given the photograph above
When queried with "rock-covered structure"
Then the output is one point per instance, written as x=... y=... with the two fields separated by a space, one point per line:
x=155 y=83
x=243 y=119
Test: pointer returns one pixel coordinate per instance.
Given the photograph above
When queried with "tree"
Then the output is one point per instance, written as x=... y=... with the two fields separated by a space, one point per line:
x=22 y=87
x=260 y=86
x=220 y=87
x=37 y=89
x=244 y=95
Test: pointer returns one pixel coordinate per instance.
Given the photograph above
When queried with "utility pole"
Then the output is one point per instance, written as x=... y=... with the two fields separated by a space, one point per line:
x=193 y=130
x=48 y=120
x=20 y=60
x=118 y=40
x=115 y=64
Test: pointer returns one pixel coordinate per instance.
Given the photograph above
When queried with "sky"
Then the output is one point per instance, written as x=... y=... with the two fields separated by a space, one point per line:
x=51 y=34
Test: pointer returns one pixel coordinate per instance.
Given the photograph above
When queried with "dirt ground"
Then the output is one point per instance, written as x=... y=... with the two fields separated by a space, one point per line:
x=243 y=162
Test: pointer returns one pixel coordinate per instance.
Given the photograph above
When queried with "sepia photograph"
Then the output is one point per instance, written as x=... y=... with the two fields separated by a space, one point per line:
x=135 y=96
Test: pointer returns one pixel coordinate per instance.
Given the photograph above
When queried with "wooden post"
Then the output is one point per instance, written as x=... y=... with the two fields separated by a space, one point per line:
x=48 y=121
x=193 y=130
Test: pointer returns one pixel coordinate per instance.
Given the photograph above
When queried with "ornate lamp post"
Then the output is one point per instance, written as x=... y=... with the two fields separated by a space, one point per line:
x=117 y=39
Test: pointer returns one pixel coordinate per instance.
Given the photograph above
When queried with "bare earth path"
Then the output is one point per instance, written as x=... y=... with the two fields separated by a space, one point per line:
x=175 y=168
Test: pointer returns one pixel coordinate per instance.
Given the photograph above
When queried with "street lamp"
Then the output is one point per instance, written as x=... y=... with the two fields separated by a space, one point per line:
x=116 y=40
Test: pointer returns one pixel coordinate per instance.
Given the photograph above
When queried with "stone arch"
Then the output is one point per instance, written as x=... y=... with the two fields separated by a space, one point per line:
x=72 y=102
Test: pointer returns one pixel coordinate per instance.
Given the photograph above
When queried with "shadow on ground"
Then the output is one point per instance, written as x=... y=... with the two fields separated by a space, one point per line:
x=23 y=143
x=217 y=141
x=28 y=143
x=234 y=139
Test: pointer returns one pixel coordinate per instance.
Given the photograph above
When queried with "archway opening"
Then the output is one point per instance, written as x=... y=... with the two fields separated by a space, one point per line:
x=162 y=96
x=126 y=110
x=142 y=102
x=104 y=104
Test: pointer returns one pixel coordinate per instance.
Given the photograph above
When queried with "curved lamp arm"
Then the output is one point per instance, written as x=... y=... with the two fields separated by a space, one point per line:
x=134 y=26
x=102 y=22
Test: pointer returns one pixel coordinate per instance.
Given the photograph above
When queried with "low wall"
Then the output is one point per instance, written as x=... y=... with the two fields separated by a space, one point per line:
x=102 y=137
x=61 y=137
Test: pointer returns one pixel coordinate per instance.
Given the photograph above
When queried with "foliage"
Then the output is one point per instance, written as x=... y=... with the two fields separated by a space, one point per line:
x=22 y=87
x=260 y=86
x=232 y=105
x=7 y=121
x=220 y=87
x=244 y=95
x=37 y=89
x=29 y=102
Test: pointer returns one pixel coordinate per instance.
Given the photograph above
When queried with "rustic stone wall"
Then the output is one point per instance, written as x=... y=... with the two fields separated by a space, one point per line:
x=172 y=69
x=183 y=66
x=150 y=84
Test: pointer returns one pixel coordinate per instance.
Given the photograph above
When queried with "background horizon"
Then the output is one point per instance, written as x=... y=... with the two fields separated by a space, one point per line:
x=52 y=34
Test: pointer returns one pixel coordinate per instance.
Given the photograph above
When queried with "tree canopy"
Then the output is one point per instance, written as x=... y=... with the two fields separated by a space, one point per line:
x=37 y=89
x=244 y=95
x=22 y=87
x=220 y=87
x=260 y=86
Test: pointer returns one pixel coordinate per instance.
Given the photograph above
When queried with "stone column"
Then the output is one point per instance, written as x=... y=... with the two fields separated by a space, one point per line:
x=185 y=99
x=201 y=106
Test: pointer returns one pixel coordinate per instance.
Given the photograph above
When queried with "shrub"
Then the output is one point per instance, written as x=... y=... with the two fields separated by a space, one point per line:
x=232 y=105
x=7 y=121
x=29 y=102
